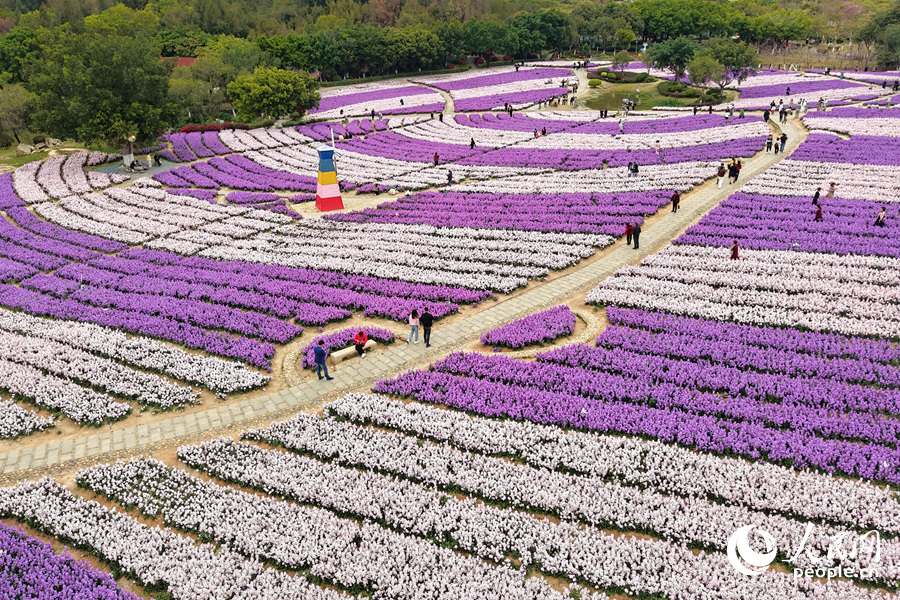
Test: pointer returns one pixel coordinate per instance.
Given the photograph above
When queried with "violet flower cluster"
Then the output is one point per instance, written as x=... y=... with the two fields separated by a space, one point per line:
x=538 y=328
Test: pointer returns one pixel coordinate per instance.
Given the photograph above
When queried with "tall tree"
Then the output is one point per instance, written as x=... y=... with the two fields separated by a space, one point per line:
x=15 y=111
x=99 y=86
x=704 y=69
x=673 y=55
x=271 y=92
x=739 y=60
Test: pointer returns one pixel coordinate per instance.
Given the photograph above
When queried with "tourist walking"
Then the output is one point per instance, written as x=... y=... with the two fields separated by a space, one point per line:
x=629 y=230
x=426 y=321
x=449 y=177
x=818 y=213
x=695 y=111
x=413 y=327
x=436 y=158
x=472 y=144
x=720 y=174
x=621 y=125
x=320 y=355
x=634 y=168
x=783 y=139
x=769 y=144
x=880 y=218
x=732 y=172
x=738 y=168
x=817 y=195
x=636 y=234
x=676 y=199
x=657 y=147
x=766 y=115
x=734 y=251
x=359 y=342
x=830 y=192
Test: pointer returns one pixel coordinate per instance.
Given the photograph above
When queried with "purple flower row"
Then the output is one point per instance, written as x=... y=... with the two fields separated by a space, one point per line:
x=787 y=223
x=8 y=196
x=667 y=125
x=658 y=410
x=250 y=197
x=322 y=131
x=517 y=122
x=30 y=569
x=208 y=195
x=343 y=339
x=27 y=221
x=564 y=213
x=858 y=150
x=399 y=147
x=336 y=102
x=538 y=328
x=800 y=88
x=467 y=83
x=570 y=159
x=514 y=98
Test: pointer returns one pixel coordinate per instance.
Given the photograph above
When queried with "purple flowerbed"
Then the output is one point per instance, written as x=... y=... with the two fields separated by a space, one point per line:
x=514 y=98
x=343 y=339
x=335 y=102
x=26 y=220
x=854 y=112
x=208 y=195
x=576 y=159
x=786 y=223
x=500 y=79
x=250 y=197
x=563 y=213
x=322 y=131
x=421 y=109
x=667 y=125
x=799 y=88
x=29 y=569
x=399 y=147
x=798 y=399
x=8 y=197
x=235 y=171
x=858 y=150
x=539 y=328
x=516 y=122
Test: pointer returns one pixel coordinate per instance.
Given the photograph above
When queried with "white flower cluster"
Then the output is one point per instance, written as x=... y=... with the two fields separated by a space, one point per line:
x=217 y=374
x=495 y=259
x=16 y=421
x=55 y=213
x=887 y=126
x=26 y=185
x=153 y=555
x=665 y=468
x=680 y=176
x=852 y=295
x=686 y=520
x=82 y=405
x=337 y=549
x=878 y=183
x=782 y=78
x=451 y=132
x=352 y=167
x=90 y=370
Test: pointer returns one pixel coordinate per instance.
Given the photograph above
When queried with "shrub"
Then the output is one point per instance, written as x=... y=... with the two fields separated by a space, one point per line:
x=641 y=77
x=593 y=82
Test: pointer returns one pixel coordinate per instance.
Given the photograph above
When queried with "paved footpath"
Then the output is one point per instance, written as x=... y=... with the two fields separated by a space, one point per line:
x=358 y=375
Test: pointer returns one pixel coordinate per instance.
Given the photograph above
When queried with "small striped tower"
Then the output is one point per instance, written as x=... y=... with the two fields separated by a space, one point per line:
x=328 y=191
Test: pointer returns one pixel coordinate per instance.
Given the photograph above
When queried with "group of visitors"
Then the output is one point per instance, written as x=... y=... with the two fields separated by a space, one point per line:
x=633 y=231
x=425 y=320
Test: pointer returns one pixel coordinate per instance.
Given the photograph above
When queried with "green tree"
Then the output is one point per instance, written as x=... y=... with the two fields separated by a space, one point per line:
x=624 y=38
x=15 y=111
x=620 y=60
x=704 y=69
x=98 y=86
x=182 y=41
x=673 y=55
x=194 y=100
x=272 y=92
x=18 y=49
x=739 y=60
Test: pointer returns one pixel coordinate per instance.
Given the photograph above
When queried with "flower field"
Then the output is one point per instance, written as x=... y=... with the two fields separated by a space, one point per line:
x=713 y=393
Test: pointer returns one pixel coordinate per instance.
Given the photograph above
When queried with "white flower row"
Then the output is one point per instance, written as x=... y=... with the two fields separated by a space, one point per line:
x=785 y=79
x=490 y=532
x=680 y=176
x=451 y=132
x=360 y=88
x=351 y=166
x=665 y=468
x=70 y=363
x=70 y=220
x=338 y=549
x=879 y=127
x=80 y=404
x=811 y=97
x=153 y=555
x=25 y=184
x=214 y=373
x=73 y=173
x=878 y=183
x=155 y=221
x=194 y=215
x=432 y=176
x=49 y=177
x=16 y=421
x=89 y=207
x=513 y=87
x=174 y=245
x=779 y=288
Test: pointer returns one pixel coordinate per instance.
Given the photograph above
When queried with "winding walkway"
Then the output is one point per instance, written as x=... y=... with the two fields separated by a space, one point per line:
x=357 y=375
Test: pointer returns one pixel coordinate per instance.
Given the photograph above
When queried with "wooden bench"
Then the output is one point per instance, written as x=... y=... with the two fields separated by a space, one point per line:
x=345 y=353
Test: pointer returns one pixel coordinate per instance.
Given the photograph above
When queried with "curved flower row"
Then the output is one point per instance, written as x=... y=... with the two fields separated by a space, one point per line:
x=538 y=328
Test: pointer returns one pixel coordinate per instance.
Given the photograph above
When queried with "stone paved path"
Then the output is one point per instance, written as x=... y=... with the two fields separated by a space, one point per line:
x=360 y=375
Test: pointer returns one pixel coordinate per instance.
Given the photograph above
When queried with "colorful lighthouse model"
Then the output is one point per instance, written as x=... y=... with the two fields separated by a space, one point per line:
x=328 y=191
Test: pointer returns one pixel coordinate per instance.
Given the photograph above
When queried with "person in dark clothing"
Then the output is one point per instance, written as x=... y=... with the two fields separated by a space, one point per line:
x=320 y=355
x=783 y=140
x=373 y=113
x=636 y=234
x=695 y=111
x=732 y=172
x=734 y=251
x=766 y=115
x=817 y=195
x=629 y=229
x=880 y=217
x=436 y=158
x=472 y=144
x=818 y=214
x=449 y=177
x=543 y=131
x=426 y=321
x=676 y=199
x=710 y=109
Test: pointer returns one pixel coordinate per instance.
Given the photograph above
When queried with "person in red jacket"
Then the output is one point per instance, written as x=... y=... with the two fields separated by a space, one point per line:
x=436 y=158
x=818 y=214
x=359 y=341
x=676 y=199
x=629 y=229
x=734 y=251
